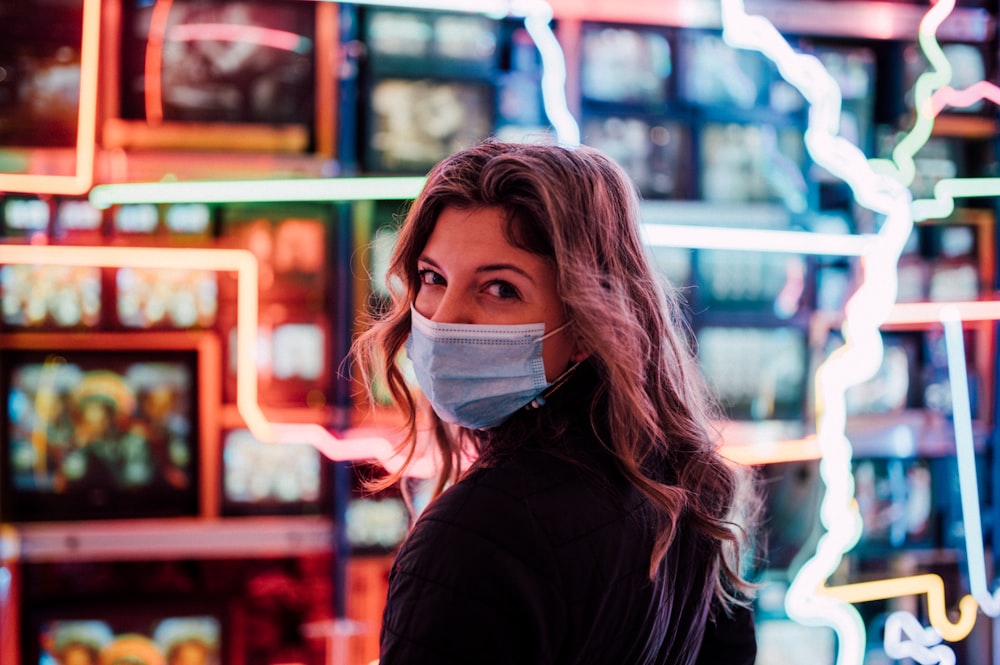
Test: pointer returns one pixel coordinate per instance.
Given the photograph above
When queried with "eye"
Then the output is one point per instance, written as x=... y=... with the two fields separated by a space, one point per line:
x=428 y=277
x=503 y=290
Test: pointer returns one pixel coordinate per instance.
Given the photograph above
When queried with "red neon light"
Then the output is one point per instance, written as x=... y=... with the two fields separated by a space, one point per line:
x=153 y=69
x=231 y=32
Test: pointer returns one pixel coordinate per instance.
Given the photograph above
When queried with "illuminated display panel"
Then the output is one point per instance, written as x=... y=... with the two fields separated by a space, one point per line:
x=769 y=283
x=155 y=630
x=290 y=242
x=271 y=479
x=430 y=87
x=77 y=220
x=415 y=123
x=712 y=74
x=791 y=492
x=421 y=41
x=656 y=153
x=147 y=299
x=294 y=367
x=25 y=216
x=752 y=162
x=99 y=434
x=50 y=296
x=757 y=373
x=188 y=65
x=40 y=51
x=626 y=65
x=902 y=502
x=377 y=523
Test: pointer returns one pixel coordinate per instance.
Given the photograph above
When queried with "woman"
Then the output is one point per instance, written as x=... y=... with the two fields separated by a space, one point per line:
x=596 y=523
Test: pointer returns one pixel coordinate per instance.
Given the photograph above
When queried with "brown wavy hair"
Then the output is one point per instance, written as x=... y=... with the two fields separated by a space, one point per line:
x=580 y=209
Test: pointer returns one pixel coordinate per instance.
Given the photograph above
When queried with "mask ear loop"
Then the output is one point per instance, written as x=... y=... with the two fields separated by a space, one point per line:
x=561 y=379
x=554 y=386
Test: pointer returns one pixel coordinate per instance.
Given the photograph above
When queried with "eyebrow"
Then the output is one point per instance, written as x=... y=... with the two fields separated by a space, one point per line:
x=490 y=267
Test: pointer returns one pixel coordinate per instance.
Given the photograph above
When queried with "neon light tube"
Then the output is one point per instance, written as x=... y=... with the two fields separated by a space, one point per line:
x=861 y=354
x=966 y=454
x=233 y=191
x=948 y=96
x=232 y=32
x=153 y=63
x=86 y=125
x=947 y=190
x=492 y=8
x=755 y=240
x=924 y=644
x=902 y=164
x=930 y=585
x=772 y=452
x=244 y=264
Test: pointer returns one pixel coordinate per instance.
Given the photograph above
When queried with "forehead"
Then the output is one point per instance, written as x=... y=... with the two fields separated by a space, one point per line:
x=470 y=229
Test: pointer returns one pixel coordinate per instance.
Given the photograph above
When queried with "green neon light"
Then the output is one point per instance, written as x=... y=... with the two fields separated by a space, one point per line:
x=939 y=76
x=949 y=189
x=236 y=191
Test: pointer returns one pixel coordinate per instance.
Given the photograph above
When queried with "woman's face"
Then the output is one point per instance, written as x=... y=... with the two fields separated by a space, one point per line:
x=470 y=273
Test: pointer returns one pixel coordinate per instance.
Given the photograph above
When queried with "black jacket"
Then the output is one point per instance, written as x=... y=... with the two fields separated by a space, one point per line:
x=540 y=559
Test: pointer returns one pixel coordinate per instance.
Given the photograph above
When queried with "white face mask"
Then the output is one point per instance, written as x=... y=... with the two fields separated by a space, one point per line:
x=476 y=376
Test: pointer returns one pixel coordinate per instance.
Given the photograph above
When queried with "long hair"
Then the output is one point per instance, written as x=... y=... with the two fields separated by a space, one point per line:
x=578 y=208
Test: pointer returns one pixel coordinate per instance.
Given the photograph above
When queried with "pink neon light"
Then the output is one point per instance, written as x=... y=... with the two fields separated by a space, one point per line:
x=231 y=32
x=948 y=96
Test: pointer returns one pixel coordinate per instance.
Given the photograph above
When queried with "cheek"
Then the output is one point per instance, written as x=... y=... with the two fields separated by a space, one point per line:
x=425 y=303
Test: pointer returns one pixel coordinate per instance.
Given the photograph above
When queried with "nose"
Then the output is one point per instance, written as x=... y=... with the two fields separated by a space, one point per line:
x=451 y=307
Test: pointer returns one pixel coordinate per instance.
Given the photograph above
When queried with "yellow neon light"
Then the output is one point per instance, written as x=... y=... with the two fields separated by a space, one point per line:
x=86 y=129
x=931 y=585
x=773 y=452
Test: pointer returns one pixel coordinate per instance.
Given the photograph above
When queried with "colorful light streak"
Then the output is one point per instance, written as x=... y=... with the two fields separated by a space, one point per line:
x=86 y=124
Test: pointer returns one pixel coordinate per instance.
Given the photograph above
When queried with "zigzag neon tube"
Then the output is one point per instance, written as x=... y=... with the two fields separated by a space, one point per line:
x=902 y=164
x=861 y=354
x=923 y=644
